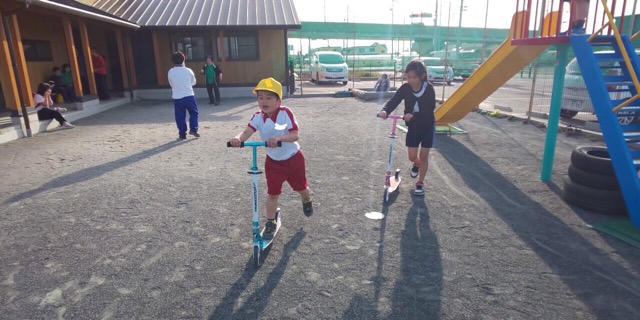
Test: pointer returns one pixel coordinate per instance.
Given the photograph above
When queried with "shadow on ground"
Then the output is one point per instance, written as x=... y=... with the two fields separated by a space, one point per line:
x=597 y=280
x=255 y=304
x=94 y=172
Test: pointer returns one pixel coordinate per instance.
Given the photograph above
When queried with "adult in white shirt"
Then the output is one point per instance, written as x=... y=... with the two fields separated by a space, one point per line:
x=182 y=81
x=45 y=108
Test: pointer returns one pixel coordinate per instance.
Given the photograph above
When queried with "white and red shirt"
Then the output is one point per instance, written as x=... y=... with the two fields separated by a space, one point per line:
x=281 y=123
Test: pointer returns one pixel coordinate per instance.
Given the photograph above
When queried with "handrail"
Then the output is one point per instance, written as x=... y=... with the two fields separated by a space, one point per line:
x=635 y=35
x=625 y=56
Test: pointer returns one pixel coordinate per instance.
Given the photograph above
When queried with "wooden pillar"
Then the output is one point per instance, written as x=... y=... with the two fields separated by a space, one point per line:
x=132 y=66
x=160 y=74
x=7 y=76
x=20 y=61
x=86 y=51
x=123 y=65
x=71 y=56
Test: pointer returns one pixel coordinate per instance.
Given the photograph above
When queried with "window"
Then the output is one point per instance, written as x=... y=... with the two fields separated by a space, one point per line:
x=37 y=50
x=192 y=45
x=241 y=46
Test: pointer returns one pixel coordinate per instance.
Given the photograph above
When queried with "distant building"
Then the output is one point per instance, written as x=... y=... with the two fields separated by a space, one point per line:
x=375 y=48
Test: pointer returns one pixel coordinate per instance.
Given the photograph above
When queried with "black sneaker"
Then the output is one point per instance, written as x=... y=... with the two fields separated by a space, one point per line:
x=195 y=134
x=307 y=207
x=182 y=136
x=217 y=103
x=414 y=171
x=269 y=229
x=419 y=191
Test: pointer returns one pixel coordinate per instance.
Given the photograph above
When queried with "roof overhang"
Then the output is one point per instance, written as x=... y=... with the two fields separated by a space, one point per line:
x=79 y=12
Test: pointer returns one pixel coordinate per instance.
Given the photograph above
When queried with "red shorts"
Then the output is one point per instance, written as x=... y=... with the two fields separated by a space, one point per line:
x=291 y=170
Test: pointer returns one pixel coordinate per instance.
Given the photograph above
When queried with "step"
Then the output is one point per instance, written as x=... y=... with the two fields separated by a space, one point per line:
x=631 y=136
x=630 y=128
x=609 y=56
x=617 y=78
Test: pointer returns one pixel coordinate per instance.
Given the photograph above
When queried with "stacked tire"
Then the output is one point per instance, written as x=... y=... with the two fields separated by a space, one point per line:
x=592 y=183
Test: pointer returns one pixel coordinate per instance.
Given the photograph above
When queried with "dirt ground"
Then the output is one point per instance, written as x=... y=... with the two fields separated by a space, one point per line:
x=117 y=219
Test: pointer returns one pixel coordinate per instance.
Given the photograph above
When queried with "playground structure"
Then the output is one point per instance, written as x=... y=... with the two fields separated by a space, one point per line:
x=591 y=27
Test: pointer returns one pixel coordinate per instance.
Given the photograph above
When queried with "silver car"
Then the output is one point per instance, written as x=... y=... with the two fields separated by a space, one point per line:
x=576 y=97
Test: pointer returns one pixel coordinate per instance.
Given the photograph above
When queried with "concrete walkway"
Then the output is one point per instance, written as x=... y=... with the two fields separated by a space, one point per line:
x=116 y=219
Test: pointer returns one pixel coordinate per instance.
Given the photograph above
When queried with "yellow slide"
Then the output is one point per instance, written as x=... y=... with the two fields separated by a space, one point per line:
x=501 y=66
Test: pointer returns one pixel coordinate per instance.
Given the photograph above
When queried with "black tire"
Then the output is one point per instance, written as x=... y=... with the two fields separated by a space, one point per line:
x=564 y=113
x=397 y=174
x=593 y=180
x=256 y=256
x=345 y=82
x=593 y=160
x=609 y=202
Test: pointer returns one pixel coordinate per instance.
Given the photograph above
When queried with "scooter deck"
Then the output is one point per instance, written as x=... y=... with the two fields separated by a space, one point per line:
x=394 y=184
x=266 y=243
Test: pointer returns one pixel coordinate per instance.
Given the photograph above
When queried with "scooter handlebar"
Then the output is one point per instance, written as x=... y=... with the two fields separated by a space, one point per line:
x=392 y=116
x=253 y=143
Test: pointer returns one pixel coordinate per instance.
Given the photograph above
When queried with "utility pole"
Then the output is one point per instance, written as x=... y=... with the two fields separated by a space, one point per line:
x=436 y=42
x=459 y=26
x=484 y=35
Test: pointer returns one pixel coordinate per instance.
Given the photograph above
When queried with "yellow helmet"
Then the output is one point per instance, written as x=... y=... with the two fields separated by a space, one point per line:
x=269 y=84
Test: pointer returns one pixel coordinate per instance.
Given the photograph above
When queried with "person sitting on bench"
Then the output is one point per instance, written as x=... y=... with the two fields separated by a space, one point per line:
x=60 y=88
x=383 y=83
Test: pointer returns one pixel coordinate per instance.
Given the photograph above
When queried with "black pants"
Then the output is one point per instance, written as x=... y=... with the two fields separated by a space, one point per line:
x=101 y=86
x=46 y=114
x=214 y=87
x=67 y=93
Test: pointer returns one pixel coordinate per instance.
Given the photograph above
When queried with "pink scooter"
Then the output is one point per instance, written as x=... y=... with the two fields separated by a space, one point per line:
x=391 y=185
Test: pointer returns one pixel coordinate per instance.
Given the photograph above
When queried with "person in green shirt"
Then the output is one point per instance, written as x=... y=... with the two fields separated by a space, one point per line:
x=212 y=75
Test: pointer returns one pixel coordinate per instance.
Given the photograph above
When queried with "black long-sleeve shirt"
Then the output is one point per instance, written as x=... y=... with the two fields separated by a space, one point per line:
x=424 y=118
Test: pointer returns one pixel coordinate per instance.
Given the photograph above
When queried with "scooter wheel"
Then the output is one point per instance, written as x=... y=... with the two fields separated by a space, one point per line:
x=256 y=256
x=397 y=175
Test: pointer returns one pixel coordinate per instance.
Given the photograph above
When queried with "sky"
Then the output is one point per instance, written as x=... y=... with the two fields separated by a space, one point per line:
x=379 y=11
x=474 y=15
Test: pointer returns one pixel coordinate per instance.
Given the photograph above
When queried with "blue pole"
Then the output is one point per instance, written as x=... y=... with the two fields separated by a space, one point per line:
x=554 y=112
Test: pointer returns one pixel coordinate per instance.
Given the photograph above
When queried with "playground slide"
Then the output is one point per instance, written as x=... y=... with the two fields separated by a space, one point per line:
x=503 y=64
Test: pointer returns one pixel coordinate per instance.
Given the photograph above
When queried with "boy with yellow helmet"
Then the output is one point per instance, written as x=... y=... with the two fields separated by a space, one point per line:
x=276 y=123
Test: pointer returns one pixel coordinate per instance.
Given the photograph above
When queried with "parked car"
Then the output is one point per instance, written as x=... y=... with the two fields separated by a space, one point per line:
x=576 y=97
x=328 y=66
x=436 y=70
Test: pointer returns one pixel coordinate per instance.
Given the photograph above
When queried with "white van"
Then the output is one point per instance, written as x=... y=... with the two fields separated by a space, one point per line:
x=436 y=71
x=328 y=66
x=575 y=97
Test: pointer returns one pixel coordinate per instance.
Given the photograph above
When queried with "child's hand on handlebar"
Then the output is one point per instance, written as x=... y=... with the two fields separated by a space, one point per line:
x=272 y=143
x=235 y=142
x=407 y=117
x=382 y=114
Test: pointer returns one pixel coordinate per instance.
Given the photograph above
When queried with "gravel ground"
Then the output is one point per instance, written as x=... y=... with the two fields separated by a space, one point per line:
x=117 y=219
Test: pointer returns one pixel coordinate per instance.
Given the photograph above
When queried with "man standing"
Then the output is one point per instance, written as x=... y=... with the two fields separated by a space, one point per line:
x=212 y=74
x=100 y=72
x=182 y=81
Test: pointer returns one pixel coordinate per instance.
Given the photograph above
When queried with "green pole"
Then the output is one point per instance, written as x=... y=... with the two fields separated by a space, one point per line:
x=554 y=112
